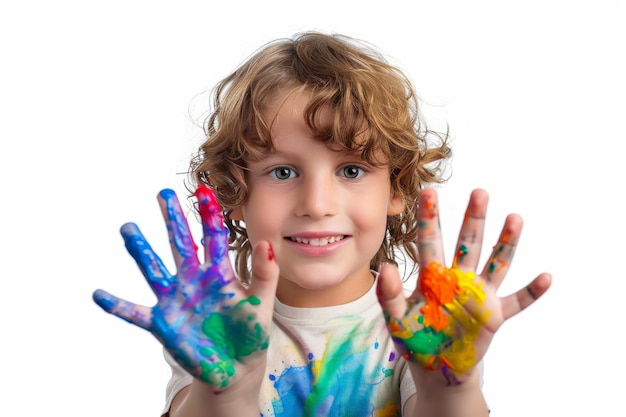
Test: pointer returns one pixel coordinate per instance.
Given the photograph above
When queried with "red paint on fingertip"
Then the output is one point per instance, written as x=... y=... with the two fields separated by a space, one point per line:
x=208 y=205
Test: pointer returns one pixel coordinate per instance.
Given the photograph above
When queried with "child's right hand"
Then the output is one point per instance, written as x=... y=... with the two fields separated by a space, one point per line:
x=213 y=326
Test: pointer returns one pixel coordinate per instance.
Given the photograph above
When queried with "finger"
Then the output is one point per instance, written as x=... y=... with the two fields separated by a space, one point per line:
x=265 y=272
x=151 y=266
x=215 y=234
x=138 y=315
x=501 y=257
x=183 y=247
x=403 y=317
x=390 y=292
x=469 y=245
x=429 y=240
x=515 y=303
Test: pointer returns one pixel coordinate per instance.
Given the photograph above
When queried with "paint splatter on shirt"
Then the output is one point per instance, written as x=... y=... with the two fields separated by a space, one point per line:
x=330 y=361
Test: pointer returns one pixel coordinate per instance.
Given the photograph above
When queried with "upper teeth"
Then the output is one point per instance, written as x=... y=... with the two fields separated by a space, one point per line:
x=317 y=241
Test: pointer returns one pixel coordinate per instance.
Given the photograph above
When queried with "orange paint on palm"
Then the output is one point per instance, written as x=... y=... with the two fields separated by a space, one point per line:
x=447 y=291
x=439 y=285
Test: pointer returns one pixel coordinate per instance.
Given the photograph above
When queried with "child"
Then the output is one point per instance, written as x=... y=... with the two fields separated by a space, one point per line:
x=314 y=172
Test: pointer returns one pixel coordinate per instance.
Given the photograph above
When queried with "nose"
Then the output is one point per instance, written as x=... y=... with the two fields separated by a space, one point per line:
x=317 y=196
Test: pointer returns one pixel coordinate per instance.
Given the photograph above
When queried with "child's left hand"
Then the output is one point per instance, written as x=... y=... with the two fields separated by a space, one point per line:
x=447 y=324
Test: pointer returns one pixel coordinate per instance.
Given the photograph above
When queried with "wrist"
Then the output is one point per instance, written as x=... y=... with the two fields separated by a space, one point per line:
x=440 y=379
x=438 y=397
x=202 y=400
x=240 y=398
x=434 y=383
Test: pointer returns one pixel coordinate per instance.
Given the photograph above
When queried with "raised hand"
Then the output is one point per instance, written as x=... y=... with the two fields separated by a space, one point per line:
x=447 y=324
x=213 y=326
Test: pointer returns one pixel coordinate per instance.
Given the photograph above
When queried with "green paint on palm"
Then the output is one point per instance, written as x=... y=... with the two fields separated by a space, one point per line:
x=216 y=372
x=254 y=300
x=425 y=342
x=418 y=340
x=234 y=335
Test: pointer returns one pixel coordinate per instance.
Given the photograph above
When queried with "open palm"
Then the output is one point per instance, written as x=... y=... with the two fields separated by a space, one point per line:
x=450 y=319
x=212 y=325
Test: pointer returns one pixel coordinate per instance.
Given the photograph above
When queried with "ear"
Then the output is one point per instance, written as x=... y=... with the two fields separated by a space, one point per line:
x=236 y=214
x=396 y=204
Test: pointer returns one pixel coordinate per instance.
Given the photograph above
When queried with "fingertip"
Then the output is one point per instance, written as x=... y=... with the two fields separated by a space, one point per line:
x=535 y=290
x=543 y=283
x=105 y=300
x=547 y=277
x=209 y=208
x=264 y=264
x=477 y=206
x=128 y=229
x=512 y=229
x=264 y=251
x=390 y=291
x=427 y=193
x=265 y=271
x=479 y=194
x=129 y=312
x=515 y=220
x=389 y=283
x=428 y=204
x=166 y=193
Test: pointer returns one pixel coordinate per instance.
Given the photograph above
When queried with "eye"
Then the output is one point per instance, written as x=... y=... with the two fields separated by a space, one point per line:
x=352 y=171
x=282 y=173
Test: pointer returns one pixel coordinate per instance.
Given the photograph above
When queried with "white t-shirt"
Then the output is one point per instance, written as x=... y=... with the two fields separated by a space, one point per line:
x=328 y=361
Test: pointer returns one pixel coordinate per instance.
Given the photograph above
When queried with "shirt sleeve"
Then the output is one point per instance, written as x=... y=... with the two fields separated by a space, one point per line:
x=179 y=380
x=407 y=385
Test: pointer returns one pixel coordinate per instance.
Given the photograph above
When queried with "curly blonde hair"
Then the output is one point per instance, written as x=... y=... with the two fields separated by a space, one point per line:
x=369 y=99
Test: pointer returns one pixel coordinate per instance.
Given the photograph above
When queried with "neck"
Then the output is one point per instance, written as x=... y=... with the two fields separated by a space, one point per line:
x=348 y=290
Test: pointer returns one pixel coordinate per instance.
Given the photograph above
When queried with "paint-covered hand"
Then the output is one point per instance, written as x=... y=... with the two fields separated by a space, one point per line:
x=213 y=326
x=447 y=324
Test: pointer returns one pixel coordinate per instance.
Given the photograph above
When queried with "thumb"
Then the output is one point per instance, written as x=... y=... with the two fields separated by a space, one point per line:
x=390 y=291
x=264 y=272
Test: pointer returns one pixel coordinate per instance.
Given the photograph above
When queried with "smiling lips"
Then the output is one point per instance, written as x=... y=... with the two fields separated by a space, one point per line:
x=321 y=241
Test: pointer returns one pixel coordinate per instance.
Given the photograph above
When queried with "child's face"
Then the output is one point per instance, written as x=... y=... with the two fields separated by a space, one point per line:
x=324 y=212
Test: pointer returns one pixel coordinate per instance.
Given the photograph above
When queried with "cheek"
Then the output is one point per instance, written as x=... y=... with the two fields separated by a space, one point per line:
x=371 y=219
x=263 y=217
x=369 y=209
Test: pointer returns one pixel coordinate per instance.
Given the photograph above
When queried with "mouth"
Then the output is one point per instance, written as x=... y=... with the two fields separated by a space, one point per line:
x=315 y=241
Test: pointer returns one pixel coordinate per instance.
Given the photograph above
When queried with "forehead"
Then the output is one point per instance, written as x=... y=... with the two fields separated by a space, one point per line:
x=296 y=109
x=288 y=123
x=293 y=103
x=312 y=111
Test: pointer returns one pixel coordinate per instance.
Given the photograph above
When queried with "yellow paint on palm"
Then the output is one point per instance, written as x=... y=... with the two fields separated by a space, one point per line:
x=448 y=293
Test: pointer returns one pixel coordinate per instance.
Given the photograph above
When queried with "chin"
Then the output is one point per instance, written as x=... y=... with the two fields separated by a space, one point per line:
x=321 y=277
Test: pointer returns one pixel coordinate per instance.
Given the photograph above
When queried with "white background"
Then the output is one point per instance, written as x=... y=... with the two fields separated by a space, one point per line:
x=94 y=120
